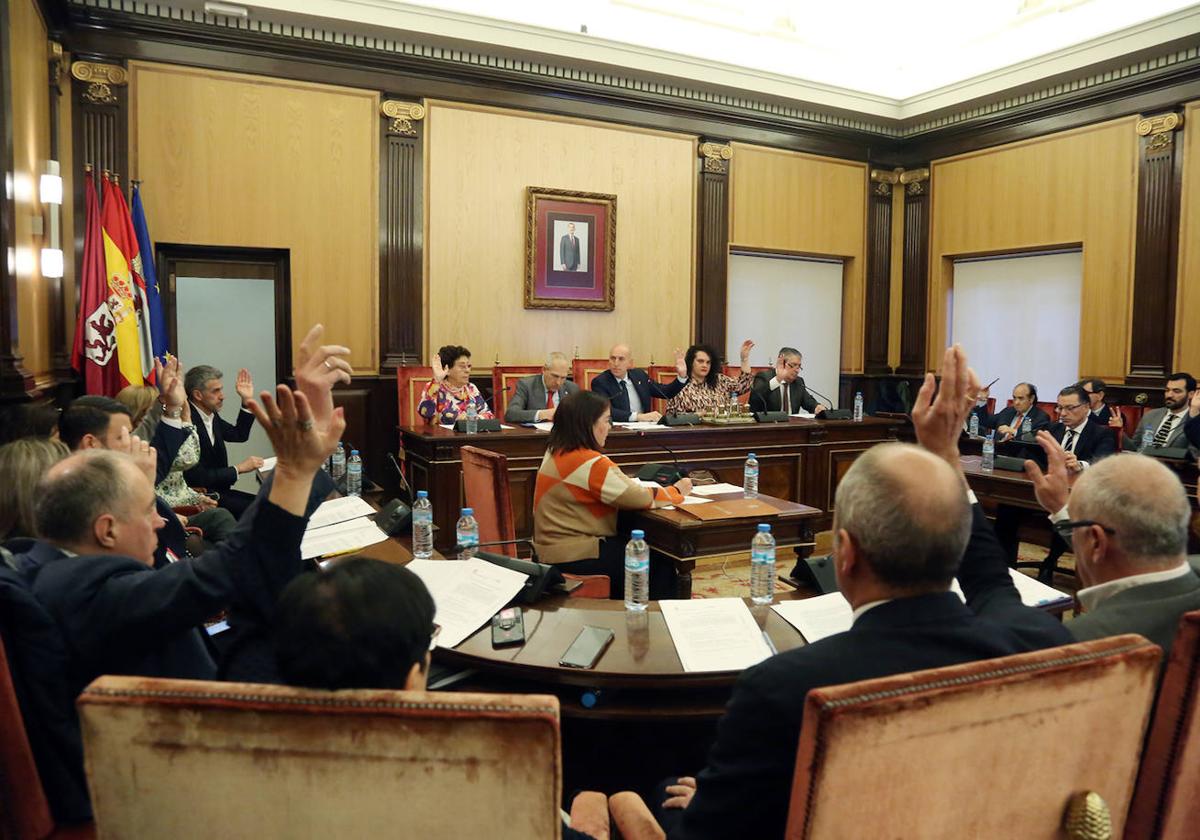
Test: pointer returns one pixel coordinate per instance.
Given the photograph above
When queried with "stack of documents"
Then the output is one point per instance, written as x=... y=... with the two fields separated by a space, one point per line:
x=715 y=489
x=466 y=594
x=639 y=426
x=715 y=634
x=339 y=526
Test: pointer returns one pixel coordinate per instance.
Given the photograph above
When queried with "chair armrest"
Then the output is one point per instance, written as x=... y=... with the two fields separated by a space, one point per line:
x=589 y=814
x=634 y=820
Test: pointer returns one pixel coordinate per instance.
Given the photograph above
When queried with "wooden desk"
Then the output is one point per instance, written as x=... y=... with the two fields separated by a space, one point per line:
x=801 y=461
x=1000 y=486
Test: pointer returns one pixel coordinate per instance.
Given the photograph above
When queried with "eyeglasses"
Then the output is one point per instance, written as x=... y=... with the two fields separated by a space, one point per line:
x=793 y=365
x=437 y=629
x=1061 y=408
x=1066 y=529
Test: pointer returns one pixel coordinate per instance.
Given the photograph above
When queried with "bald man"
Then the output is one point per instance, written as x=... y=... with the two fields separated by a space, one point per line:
x=902 y=520
x=629 y=389
x=1127 y=524
x=537 y=397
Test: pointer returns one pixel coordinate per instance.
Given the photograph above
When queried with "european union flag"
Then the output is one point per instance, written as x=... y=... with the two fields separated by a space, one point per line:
x=158 y=323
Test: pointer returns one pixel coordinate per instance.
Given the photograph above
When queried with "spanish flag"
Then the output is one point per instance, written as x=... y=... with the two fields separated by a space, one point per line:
x=122 y=294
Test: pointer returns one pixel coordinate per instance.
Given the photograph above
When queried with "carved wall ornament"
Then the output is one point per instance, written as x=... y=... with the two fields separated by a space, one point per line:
x=885 y=179
x=716 y=156
x=101 y=79
x=402 y=115
x=56 y=62
x=1160 y=129
x=914 y=180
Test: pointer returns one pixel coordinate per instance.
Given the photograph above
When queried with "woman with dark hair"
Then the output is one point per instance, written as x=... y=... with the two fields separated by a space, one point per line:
x=579 y=492
x=448 y=395
x=707 y=387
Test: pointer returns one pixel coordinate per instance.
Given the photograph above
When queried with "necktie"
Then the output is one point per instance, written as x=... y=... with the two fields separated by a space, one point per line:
x=1069 y=440
x=1164 y=430
x=549 y=399
x=786 y=392
x=1017 y=421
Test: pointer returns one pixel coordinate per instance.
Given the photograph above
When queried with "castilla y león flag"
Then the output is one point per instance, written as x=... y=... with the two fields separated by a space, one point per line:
x=95 y=351
x=120 y=247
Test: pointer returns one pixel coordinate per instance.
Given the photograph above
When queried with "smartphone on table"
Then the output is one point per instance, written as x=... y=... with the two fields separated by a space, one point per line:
x=587 y=648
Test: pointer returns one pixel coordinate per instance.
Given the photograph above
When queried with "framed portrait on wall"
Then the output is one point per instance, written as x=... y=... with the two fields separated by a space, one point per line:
x=570 y=249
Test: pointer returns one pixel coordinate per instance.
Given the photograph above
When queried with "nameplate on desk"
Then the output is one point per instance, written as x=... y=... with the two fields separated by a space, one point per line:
x=482 y=425
x=731 y=509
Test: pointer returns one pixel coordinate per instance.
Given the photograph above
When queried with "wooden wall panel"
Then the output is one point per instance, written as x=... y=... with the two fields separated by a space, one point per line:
x=1187 y=308
x=31 y=148
x=249 y=161
x=1068 y=188
x=479 y=162
x=895 y=302
x=792 y=202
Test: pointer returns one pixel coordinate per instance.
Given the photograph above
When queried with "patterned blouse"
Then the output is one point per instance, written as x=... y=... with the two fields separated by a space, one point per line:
x=444 y=406
x=699 y=397
x=173 y=489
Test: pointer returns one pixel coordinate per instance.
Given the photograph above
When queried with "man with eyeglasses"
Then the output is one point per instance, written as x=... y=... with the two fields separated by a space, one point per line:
x=1083 y=439
x=1166 y=424
x=1128 y=527
x=1008 y=421
x=1095 y=390
x=783 y=391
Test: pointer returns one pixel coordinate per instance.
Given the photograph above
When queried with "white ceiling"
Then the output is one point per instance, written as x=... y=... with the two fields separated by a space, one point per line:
x=889 y=58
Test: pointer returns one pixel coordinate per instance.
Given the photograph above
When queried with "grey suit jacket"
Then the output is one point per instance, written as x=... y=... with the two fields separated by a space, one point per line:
x=530 y=398
x=1151 y=421
x=1153 y=610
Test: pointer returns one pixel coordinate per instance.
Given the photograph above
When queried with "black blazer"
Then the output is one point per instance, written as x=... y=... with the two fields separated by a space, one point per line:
x=754 y=756
x=1095 y=441
x=1038 y=418
x=763 y=398
x=1104 y=415
x=213 y=471
x=606 y=384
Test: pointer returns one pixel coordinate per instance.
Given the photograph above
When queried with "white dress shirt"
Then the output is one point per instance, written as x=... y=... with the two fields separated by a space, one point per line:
x=635 y=402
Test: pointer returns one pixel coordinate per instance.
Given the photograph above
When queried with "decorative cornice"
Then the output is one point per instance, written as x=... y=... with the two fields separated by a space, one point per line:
x=885 y=179
x=403 y=115
x=100 y=79
x=716 y=157
x=57 y=59
x=1160 y=129
x=914 y=180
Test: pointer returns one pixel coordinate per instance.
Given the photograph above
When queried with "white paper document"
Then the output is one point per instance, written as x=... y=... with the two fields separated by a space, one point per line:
x=639 y=426
x=804 y=415
x=688 y=501
x=466 y=594
x=714 y=634
x=268 y=464
x=544 y=426
x=715 y=489
x=816 y=618
x=1033 y=592
x=339 y=510
x=340 y=538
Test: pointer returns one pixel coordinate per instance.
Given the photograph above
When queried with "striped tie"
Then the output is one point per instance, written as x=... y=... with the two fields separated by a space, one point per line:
x=1164 y=430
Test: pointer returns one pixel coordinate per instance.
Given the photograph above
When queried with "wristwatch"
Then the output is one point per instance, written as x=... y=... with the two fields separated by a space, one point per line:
x=173 y=413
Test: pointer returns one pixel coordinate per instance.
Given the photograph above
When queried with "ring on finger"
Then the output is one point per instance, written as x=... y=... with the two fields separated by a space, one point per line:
x=305 y=425
x=327 y=365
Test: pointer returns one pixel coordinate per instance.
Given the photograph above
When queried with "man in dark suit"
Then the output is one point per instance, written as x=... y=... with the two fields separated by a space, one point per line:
x=784 y=391
x=630 y=390
x=903 y=519
x=1127 y=524
x=207 y=394
x=1084 y=439
x=1009 y=421
x=1095 y=390
x=568 y=249
x=537 y=397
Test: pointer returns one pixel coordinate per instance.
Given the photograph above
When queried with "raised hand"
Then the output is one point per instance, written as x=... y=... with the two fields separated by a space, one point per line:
x=680 y=793
x=440 y=371
x=1194 y=403
x=681 y=364
x=144 y=456
x=318 y=368
x=938 y=421
x=300 y=446
x=244 y=385
x=747 y=346
x=170 y=383
x=1053 y=486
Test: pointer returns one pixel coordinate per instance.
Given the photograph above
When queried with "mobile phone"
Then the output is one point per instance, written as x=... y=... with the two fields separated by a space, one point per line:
x=587 y=648
x=508 y=628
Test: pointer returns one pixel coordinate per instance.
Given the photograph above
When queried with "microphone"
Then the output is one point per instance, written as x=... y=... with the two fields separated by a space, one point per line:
x=812 y=390
x=662 y=473
x=405 y=487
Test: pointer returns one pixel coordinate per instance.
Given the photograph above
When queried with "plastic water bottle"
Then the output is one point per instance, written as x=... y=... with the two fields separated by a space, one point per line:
x=750 y=478
x=472 y=418
x=762 y=566
x=338 y=462
x=973 y=425
x=1147 y=439
x=637 y=572
x=467 y=533
x=422 y=519
x=858 y=407
x=1026 y=426
x=989 y=452
x=354 y=474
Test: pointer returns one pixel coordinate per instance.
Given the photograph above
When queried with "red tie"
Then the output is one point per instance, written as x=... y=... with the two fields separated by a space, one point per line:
x=549 y=399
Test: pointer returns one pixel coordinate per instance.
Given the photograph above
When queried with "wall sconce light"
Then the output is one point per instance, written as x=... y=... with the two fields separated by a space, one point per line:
x=52 y=262
x=51 y=187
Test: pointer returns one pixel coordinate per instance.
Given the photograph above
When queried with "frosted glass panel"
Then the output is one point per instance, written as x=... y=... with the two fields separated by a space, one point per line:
x=230 y=324
x=787 y=302
x=1018 y=319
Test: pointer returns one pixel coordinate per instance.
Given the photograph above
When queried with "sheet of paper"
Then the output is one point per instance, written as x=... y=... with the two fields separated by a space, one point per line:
x=715 y=489
x=818 y=617
x=268 y=464
x=340 y=538
x=804 y=415
x=339 y=510
x=1033 y=592
x=639 y=425
x=695 y=500
x=645 y=482
x=543 y=427
x=714 y=634
x=466 y=594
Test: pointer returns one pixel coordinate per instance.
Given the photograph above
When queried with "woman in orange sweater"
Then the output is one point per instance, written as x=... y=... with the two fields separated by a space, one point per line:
x=579 y=492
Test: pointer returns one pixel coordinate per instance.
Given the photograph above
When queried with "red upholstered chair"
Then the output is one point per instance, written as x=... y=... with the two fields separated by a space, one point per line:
x=504 y=384
x=663 y=374
x=24 y=811
x=734 y=371
x=485 y=487
x=411 y=383
x=1166 y=805
x=185 y=759
x=1051 y=409
x=583 y=371
x=1024 y=725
